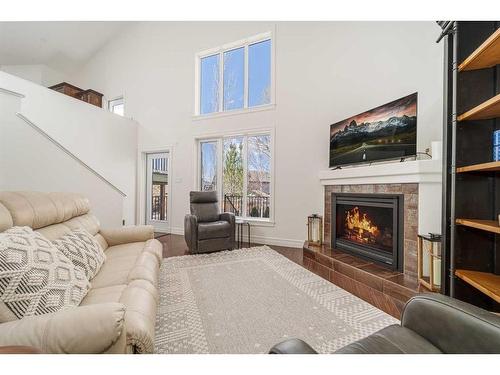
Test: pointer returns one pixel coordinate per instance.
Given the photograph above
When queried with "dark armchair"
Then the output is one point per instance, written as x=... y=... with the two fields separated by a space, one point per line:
x=206 y=229
x=431 y=323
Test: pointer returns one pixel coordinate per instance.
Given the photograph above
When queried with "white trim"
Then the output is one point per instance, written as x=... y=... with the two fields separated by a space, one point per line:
x=121 y=100
x=269 y=35
x=219 y=137
x=273 y=241
x=299 y=244
x=177 y=230
x=140 y=216
x=13 y=93
x=234 y=112
x=415 y=171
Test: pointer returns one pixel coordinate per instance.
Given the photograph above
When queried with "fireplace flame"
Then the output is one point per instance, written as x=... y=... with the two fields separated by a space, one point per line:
x=358 y=224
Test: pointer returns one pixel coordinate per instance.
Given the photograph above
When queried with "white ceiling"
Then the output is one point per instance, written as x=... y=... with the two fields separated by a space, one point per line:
x=63 y=46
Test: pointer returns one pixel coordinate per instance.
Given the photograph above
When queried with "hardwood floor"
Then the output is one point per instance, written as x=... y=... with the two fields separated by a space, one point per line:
x=174 y=245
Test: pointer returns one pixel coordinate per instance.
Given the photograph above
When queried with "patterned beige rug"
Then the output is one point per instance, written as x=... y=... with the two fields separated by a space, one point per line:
x=245 y=301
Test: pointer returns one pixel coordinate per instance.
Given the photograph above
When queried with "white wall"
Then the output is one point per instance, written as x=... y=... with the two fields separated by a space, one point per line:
x=29 y=161
x=104 y=141
x=37 y=73
x=325 y=72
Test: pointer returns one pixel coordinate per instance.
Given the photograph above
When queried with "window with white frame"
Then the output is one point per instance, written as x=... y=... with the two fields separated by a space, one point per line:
x=117 y=106
x=235 y=76
x=240 y=168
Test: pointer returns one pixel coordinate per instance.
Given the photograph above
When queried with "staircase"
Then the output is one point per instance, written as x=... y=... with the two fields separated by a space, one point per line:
x=50 y=142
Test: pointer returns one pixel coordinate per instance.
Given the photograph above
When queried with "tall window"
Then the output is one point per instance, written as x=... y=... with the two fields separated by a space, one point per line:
x=117 y=106
x=244 y=162
x=235 y=77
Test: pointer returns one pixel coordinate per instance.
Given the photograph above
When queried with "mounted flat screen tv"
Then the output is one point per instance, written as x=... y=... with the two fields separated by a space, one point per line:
x=383 y=133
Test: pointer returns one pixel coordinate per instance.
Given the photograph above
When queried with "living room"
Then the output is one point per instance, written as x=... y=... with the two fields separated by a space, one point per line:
x=272 y=185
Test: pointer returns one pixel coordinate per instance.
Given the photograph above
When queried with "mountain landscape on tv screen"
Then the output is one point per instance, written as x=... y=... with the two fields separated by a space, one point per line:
x=385 y=132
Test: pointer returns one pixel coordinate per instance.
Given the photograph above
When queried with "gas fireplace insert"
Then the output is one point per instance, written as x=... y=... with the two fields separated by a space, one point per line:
x=370 y=226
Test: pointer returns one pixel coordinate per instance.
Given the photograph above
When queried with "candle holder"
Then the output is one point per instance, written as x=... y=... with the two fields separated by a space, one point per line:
x=429 y=261
x=315 y=229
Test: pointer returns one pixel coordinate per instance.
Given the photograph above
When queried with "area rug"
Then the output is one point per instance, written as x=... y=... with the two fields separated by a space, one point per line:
x=247 y=300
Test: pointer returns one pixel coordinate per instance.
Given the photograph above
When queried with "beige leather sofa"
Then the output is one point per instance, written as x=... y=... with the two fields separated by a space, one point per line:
x=118 y=314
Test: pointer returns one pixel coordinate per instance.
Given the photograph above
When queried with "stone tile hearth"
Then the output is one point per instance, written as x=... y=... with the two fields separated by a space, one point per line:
x=382 y=287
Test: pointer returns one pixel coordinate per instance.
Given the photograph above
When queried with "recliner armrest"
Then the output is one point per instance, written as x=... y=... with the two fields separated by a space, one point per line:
x=83 y=329
x=292 y=346
x=228 y=216
x=123 y=235
x=451 y=325
x=191 y=231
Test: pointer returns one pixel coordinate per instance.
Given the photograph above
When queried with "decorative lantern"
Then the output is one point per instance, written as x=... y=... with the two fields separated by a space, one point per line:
x=315 y=229
x=429 y=261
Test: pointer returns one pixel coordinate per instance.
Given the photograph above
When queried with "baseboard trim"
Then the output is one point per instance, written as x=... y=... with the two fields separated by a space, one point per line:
x=177 y=230
x=277 y=241
x=256 y=239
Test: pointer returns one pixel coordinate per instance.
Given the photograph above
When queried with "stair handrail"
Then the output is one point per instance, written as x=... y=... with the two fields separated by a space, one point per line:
x=68 y=152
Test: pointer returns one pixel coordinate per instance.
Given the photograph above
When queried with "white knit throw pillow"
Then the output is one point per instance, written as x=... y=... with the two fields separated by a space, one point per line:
x=35 y=277
x=83 y=250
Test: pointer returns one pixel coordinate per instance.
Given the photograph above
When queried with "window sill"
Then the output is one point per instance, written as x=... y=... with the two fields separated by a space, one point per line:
x=235 y=112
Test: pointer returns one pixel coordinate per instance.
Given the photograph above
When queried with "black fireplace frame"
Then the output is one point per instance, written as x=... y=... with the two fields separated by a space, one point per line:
x=394 y=201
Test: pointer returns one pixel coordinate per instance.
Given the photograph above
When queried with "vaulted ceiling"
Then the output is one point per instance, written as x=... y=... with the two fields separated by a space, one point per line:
x=64 y=46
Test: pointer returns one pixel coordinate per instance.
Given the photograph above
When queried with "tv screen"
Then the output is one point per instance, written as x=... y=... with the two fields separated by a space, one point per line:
x=383 y=133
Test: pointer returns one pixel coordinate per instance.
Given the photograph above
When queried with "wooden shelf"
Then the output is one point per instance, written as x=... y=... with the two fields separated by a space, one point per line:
x=485 y=282
x=485 y=56
x=493 y=166
x=487 y=225
x=484 y=111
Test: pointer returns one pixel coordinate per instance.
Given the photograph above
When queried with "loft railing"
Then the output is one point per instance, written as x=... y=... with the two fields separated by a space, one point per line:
x=159 y=207
x=257 y=206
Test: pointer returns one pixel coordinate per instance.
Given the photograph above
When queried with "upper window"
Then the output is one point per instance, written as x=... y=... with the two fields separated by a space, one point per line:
x=117 y=106
x=235 y=76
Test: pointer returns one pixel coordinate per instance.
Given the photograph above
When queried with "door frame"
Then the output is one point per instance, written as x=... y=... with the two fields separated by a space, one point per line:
x=142 y=181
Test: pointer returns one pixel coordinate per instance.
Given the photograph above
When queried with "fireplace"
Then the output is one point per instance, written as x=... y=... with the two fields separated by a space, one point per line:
x=369 y=226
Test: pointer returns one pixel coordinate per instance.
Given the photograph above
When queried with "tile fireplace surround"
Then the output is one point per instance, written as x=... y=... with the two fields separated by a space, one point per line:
x=386 y=289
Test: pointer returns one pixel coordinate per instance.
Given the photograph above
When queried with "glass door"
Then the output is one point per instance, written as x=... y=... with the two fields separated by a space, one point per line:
x=157 y=199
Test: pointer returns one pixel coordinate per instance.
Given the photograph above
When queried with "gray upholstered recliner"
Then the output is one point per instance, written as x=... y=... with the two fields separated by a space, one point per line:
x=430 y=323
x=206 y=229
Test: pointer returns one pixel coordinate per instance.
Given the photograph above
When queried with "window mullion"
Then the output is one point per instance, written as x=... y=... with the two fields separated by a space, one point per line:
x=245 y=79
x=221 y=81
x=220 y=171
x=245 y=175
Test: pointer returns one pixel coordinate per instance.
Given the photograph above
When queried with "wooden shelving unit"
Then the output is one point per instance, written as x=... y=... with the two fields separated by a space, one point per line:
x=484 y=111
x=485 y=282
x=493 y=166
x=485 y=56
x=487 y=225
x=471 y=260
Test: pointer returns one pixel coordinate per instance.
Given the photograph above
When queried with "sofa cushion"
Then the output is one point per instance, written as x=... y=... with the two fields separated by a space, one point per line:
x=36 y=278
x=83 y=250
x=215 y=229
x=391 y=340
x=38 y=210
x=145 y=268
x=104 y=295
x=114 y=271
x=125 y=250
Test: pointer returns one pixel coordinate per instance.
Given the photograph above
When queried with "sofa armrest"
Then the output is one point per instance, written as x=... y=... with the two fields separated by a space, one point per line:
x=292 y=346
x=451 y=325
x=191 y=231
x=123 y=235
x=84 y=329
